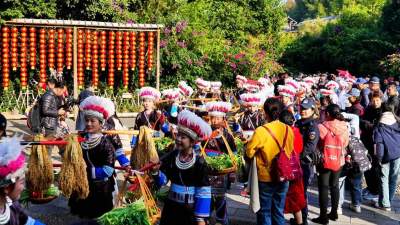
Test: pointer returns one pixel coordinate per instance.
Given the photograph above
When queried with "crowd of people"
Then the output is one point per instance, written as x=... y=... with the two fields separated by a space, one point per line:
x=337 y=129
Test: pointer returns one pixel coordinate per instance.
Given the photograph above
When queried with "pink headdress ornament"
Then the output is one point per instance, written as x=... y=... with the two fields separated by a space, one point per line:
x=293 y=83
x=286 y=90
x=309 y=80
x=193 y=126
x=252 y=86
x=241 y=79
x=332 y=85
x=12 y=160
x=350 y=80
x=149 y=93
x=251 y=99
x=185 y=89
x=218 y=108
x=171 y=94
x=99 y=107
x=326 y=92
x=202 y=84
x=215 y=86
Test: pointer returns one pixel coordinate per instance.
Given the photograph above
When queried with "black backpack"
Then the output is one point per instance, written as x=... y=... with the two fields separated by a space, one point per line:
x=360 y=160
x=34 y=117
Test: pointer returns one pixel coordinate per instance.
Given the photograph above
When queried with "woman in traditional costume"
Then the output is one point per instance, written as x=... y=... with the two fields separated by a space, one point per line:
x=12 y=181
x=189 y=197
x=219 y=184
x=252 y=117
x=149 y=117
x=99 y=156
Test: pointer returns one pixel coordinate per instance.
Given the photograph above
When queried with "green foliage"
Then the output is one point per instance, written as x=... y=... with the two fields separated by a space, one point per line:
x=201 y=38
x=391 y=65
x=354 y=41
x=27 y=8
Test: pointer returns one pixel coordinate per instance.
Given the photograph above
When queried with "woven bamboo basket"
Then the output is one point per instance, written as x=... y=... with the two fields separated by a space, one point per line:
x=232 y=169
x=152 y=210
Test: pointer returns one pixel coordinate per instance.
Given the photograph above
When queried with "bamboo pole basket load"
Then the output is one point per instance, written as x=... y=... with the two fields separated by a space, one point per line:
x=153 y=212
x=215 y=171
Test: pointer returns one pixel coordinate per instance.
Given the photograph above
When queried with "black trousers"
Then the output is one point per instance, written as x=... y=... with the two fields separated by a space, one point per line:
x=328 y=180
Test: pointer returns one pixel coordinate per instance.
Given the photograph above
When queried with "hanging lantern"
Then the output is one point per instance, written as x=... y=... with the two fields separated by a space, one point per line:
x=32 y=48
x=150 y=51
x=95 y=59
x=111 y=42
x=24 y=57
x=141 y=58
x=68 y=48
x=118 y=51
x=51 y=48
x=125 y=62
x=132 y=49
x=14 y=48
x=88 y=48
x=80 y=57
x=103 y=46
x=60 y=50
x=42 y=56
x=5 y=56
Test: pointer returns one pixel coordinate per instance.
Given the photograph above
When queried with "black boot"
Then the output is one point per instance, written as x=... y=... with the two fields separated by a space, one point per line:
x=333 y=216
x=292 y=221
x=320 y=220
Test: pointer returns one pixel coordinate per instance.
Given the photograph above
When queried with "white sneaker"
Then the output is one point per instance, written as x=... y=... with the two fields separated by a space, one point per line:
x=355 y=208
x=339 y=211
x=387 y=209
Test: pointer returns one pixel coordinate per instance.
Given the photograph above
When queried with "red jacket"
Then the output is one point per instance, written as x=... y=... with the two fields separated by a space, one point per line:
x=298 y=140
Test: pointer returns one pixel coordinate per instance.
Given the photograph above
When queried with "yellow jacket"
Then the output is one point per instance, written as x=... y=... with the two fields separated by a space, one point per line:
x=264 y=147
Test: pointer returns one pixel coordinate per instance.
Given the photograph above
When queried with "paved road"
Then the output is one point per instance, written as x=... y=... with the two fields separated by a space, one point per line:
x=57 y=212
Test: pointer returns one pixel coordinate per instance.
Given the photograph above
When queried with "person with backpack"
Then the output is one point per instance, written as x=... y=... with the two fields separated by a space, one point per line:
x=50 y=108
x=269 y=141
x=334 y=138
x=357 y=162
x=308 y=126
x=387 y=148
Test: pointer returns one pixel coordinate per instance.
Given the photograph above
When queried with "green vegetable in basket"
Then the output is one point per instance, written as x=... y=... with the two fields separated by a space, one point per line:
x=163 y=143
x=222 y=162
x=52 y=191
x=219 y=162
x=239 y=146
x=134 y=213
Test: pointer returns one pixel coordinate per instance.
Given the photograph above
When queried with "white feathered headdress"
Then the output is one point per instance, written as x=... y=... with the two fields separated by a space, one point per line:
x=171 y=94
x=149 y=93
x=99 y=107
x=203 y=84
x=185 y=89
x=193 y=126
x=218 y=108
x=252 y=99
x=12 y=160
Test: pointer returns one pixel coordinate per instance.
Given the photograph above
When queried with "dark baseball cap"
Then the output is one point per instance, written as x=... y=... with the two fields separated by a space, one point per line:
x=307 y=103
x=374 y=80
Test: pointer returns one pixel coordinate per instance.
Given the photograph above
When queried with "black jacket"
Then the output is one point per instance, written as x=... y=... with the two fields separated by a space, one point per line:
x=49 y=105
x=309 y=130
x=367 y=124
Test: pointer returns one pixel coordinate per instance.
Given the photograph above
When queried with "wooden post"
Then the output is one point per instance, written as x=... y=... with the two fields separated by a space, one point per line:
x=75 y=61
x=158 y=60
